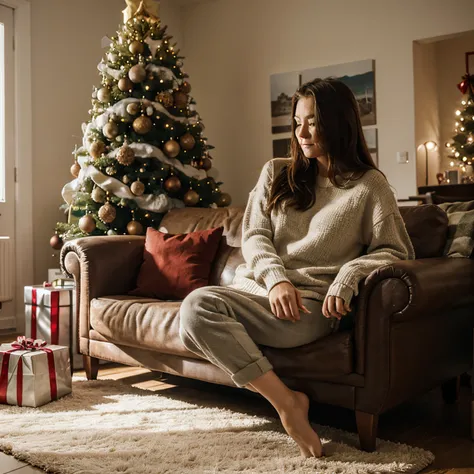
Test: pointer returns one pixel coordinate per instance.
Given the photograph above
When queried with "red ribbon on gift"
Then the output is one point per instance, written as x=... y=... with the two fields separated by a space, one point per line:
x=26 y=344
x=54 y=315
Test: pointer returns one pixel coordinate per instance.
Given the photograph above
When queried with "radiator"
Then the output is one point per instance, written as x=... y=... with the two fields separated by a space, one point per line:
x=6 y=269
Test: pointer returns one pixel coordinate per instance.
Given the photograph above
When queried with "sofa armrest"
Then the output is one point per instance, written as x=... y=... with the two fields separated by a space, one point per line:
x=100 y=266
x=415 y=311
x=416 y=288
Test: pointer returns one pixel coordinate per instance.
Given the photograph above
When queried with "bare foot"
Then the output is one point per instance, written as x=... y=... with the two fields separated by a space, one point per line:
x=296 y=423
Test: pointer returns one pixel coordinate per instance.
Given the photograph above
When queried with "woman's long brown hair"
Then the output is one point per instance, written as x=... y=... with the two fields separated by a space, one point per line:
x=340 y=138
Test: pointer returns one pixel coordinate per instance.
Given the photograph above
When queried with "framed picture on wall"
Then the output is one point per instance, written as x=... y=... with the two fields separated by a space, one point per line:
x=359 y=76
x=281 y=148
x=371 y=138
x=470 y=63
x=283 y=86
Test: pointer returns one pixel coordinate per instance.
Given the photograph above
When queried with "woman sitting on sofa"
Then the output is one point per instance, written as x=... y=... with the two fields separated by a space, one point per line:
x=315 y=225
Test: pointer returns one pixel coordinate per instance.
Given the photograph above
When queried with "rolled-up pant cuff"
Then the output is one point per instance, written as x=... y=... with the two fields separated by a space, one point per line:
x=252 y=371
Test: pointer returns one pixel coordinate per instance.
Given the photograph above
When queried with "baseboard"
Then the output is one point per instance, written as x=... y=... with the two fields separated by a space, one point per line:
x=8 y=324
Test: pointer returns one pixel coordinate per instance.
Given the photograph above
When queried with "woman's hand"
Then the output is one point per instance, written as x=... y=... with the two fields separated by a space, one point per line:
x=336 y=307
x=285 y=302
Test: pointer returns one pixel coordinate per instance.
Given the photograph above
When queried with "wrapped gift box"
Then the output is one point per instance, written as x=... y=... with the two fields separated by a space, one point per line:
x=33 y=376
x=50 y=315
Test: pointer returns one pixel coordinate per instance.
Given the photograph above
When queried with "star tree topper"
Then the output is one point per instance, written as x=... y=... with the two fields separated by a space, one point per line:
x=150 y=8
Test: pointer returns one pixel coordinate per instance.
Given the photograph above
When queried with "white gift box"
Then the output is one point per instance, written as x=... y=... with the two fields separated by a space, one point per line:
x=50 y=315
x=49 y=296
x=34 y=378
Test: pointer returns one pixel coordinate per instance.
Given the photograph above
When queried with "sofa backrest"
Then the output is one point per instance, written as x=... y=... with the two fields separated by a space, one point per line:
x=427 y=226
x=229 y=256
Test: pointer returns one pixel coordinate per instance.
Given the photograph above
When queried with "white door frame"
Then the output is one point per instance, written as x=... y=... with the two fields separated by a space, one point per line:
x=23 y=157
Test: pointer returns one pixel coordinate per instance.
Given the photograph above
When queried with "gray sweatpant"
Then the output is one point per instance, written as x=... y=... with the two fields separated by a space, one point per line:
x=224 y=325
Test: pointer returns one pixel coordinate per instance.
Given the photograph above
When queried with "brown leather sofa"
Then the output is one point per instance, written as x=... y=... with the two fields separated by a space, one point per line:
x=412 y=329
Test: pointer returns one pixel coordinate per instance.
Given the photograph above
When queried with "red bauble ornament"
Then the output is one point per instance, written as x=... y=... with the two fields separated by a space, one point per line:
x=56 y=242
x=180 y=99
x=187 y=141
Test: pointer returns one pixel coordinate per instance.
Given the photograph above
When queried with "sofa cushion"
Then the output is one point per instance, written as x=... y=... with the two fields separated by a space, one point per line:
x=139 y=322
x=176 y=264
x=154 y=324
x=460 y=242
x=427 y=226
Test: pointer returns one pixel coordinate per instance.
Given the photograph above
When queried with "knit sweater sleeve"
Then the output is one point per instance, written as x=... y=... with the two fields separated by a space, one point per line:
x=257 y=235
x=387 y=241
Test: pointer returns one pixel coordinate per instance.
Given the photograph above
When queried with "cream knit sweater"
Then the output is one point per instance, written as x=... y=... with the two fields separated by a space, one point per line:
x=327 y=249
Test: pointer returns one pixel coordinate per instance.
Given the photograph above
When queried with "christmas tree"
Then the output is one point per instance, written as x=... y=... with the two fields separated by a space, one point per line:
x=143 y=150
x=461 y=148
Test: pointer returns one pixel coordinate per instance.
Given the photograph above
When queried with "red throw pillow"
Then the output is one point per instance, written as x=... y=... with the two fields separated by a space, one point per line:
x=176 y=264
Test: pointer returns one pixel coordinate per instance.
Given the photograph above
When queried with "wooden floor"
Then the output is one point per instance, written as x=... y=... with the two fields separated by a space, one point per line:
x=426 y=421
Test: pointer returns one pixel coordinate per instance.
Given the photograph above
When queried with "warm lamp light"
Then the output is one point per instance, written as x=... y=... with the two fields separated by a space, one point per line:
x=428 y=146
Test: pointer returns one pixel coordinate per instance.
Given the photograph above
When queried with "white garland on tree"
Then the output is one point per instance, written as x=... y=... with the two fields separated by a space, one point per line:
x=119 y=109
x=150 y=202
x=145 y=150
x=104 y=69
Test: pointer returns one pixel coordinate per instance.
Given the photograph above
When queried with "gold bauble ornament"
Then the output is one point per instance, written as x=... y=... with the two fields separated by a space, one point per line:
x=172 y=184
x=134 y=228
x=191 y=198
x=142 y=125
x=107 y=213
x=125 y=155
x=103 y=94
x=137 y=73
x=206 y=164
x=136 y=47
x=125 y=179
x=133 y=108
x=185 y=87
x=87 y=224
x=97 y=149
x=111 y=170
x=110 y=130
x=180 y=99
x=165 y=98
x=171 y=148
x=75 y=169
x=56 y=242
x=125 y=84
x=187 y=141
x=137 y=188
x=224 y=200
x=98 y=195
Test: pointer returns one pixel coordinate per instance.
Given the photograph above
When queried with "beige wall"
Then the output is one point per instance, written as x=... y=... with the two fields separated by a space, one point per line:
x=232 y=48
x=66 y=48
x=427 y=127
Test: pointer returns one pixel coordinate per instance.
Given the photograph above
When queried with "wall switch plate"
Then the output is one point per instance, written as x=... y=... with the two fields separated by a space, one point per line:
x=402 y=157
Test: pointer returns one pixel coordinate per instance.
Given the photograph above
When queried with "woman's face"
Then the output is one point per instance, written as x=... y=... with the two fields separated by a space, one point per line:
x=305 y=127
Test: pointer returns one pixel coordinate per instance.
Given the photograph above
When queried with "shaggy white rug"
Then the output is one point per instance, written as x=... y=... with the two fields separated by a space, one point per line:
x=110 y=427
